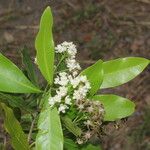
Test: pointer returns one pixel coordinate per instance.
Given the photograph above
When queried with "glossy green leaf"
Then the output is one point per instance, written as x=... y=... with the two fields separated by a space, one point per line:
x=13 y=127
x=29 y=66
x=116 y=107
x=72 y=127
x=50 y=136
x=122 y=70
x=91 y=147
x=45 y=46
x=94 y=74
x=69 y=144
x=12 y=79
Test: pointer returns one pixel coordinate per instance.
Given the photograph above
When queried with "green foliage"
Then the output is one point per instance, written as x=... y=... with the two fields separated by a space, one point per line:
x=115 y=107
x=72 y=127
x=70 y=145
x=94 y=74
x=45 y=46
x=13 y=127
x=50 y=136
x=48 y=128
x=91 y=147
x=122 y=70
x=13 y=80
x=29 y=65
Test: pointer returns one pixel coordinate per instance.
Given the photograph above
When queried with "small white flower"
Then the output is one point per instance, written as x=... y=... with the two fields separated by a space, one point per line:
x=79 y=141
x=68 y=100
x=57 y=80
x=77 y=95
x=90 y=109
x=62 y=108
x=51 y=101
x=81 y=106
x=35 y=60
x=60 y=49
x=62 y=91
x=75 y=73
x=88 y=123
x=83 y=78
x=57 y=98
x=75 y=82
x=87 y=135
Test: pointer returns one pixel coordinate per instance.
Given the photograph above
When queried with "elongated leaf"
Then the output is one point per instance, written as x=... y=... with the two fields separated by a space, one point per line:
x=69 y=144
x=50 y=136
x=13 y=101
x=94 y=74
x=29 y=65
x=12 y=126
x=45 y=46
x=71 y=126
x=12 y=79
x=116 y=107
x=122 y=70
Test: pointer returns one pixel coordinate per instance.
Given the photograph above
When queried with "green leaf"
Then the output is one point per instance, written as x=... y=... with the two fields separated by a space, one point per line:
x=116 y=107
x=122 y=70
x=29 y=65
x=45 y=46
x=50 y=136
x=94 y=74
x=12 y=79
x=72 y=127
x=91 y=147
x=13 y=101
x=13 y=127
x=70 y=144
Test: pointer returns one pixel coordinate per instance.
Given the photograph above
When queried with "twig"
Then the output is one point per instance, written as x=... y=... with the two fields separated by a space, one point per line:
x=31 y=128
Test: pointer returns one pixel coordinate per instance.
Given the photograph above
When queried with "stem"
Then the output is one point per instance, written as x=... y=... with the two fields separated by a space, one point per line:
x=32 y=144
x=31 y=128
x=62 y=58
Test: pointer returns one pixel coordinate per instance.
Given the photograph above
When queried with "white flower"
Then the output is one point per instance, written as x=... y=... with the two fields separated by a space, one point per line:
x=61 y=79
x=60 y=49
x=51 y=101
x=35 y=60
x=79 y=141
x=57 y=98
x=87 y=135
x=68 y=100
x=62 y=91
x=62 y=108
x=90 y=109
x=80 y=106
x=75 y=82
x=83 y=78
x=72 y=64
x=75 y=73
x=88 y=123
x=77 y=95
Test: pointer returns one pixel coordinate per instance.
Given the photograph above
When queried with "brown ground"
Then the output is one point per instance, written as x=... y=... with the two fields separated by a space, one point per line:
x=104 y=29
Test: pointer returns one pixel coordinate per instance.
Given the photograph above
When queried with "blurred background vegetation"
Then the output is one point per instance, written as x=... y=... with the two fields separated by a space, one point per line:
x=101 y=29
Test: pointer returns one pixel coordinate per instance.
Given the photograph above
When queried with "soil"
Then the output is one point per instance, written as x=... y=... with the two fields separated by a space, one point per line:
x=101 y=29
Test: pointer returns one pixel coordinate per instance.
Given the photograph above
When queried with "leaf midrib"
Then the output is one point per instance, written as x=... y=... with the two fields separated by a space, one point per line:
x=121 y=70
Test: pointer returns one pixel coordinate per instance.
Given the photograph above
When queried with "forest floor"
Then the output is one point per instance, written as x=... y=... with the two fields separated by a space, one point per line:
x=101 y=29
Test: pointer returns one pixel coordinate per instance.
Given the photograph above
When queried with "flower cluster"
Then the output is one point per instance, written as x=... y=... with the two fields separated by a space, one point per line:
x=71 y=86
x=94 y=115
x=70 y=50
x=72 y=90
